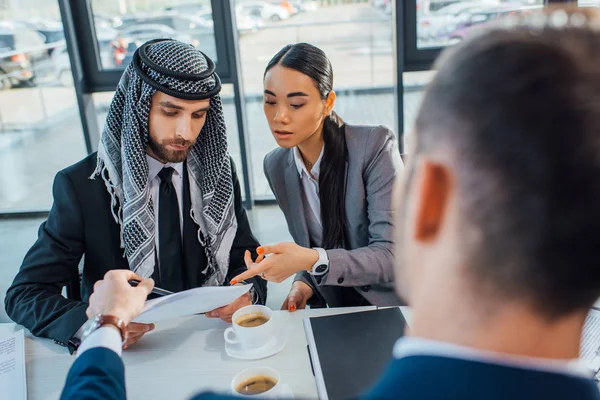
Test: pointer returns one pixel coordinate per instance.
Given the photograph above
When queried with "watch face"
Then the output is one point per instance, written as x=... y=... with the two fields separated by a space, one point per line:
x=321 y=268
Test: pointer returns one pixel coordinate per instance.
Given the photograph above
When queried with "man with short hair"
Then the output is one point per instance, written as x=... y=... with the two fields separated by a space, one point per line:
x=499 y=218
x=160 y=197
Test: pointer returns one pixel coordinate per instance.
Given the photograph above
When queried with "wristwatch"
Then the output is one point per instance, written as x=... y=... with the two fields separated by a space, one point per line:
x=253 y=295
x=95 y=323
x=321 y=267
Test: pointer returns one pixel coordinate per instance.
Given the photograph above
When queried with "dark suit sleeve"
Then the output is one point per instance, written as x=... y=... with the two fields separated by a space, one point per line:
x=97 y=374
x=34 y=300
x=244 y=240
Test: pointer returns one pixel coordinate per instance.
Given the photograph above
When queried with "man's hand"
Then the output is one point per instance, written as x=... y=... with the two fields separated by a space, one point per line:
x=113 y=295
x=135 y=331
x=226 y=312
x=298 y=297
x=284 y=261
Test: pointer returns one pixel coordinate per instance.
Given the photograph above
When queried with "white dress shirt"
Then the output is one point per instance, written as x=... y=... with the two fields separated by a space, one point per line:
x=415 y=346
x=311 y=201
x=105 y=336
x=154 y=167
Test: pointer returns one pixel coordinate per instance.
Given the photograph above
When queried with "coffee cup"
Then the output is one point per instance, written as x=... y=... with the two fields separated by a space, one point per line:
x=262 y=382
x=252 y=326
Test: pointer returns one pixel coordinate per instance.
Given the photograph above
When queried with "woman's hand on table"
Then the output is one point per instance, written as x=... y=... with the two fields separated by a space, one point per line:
x=299 y=295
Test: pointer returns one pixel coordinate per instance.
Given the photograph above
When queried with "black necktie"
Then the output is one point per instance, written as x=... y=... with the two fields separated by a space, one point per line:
x=169 y=234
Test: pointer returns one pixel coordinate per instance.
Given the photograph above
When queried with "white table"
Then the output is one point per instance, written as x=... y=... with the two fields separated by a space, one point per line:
x=182 y=357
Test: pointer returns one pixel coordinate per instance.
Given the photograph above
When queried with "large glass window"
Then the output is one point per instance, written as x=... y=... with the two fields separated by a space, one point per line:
x=357 y=37
x=123 y=25
x=444 y=22
x=40 y=130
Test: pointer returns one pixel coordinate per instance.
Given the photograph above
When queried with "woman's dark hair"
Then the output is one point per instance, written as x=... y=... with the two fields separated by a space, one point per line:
x=312 y=62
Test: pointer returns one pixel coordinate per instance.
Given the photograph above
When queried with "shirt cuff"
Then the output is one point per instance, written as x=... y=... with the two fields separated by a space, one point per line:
x=102 y=337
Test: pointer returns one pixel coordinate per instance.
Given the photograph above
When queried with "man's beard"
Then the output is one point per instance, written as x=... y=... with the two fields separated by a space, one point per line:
x=166 y=155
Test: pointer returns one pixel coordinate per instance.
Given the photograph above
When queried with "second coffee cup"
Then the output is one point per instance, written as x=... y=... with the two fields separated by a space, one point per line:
x=252 y=326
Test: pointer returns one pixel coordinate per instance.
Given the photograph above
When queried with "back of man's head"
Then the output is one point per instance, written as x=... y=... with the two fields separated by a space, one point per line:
x=518 y=109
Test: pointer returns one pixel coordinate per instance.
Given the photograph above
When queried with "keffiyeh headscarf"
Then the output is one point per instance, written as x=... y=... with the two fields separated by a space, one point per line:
x=181 y=71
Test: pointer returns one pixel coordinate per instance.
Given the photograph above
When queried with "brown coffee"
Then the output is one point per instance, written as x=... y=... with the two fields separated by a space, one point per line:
x=251 y=320
x=256 y=385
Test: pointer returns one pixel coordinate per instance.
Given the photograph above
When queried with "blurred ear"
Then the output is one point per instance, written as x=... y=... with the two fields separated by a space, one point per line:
x=432 y=189
x=329 y=102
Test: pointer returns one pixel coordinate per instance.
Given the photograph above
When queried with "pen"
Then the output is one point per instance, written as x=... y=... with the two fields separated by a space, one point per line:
x=156 y=290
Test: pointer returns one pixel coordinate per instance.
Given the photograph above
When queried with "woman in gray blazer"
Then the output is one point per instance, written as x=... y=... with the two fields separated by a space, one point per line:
x=333 y=182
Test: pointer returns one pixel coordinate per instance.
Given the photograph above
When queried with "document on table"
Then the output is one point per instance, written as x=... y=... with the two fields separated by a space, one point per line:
x=590 y=341
x=12 y=364
x=189 y=302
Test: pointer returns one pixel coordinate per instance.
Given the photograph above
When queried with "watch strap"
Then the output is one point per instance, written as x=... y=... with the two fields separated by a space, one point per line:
x=114 y=321
x=254 y=297
x=321 y=267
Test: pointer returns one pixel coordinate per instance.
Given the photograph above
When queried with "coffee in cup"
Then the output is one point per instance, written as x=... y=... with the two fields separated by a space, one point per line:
x=252 y=327
x=252 y=320
x=263 y=382
x=256 y=385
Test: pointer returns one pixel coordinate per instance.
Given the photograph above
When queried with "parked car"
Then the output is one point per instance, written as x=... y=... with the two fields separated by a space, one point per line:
x=129 y=20
x=247 y=23
x=106 y=37
x=379 y=3
x=145 y=32
x=189 y=8
x=62 y=66
x=435 y=26
x=425 y=7
x=22 y=57
x=132 y=37
x=191 y=29
x=384 y=5
x=266 y=11
x=482 y=18
x=290 y=7
x=305 y=5
x=106 y=21
x=52 y=35
x=52 y=30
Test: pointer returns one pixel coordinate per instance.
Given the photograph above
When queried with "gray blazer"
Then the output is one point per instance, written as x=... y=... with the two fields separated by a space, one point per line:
x=372 y=167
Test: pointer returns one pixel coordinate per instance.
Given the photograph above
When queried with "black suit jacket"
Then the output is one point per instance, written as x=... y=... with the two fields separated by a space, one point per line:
x=80 y=224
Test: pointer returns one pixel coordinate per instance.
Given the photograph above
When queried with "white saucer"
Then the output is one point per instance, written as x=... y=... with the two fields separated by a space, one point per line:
x=273 y=346
x=286 y=393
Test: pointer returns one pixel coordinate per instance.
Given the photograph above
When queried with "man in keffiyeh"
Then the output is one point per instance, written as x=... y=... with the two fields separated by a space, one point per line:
x=160 y=197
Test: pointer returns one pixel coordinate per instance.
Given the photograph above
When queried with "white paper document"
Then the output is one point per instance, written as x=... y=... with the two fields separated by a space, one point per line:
x=189 y=302
x=12 y=364
x=590 y=341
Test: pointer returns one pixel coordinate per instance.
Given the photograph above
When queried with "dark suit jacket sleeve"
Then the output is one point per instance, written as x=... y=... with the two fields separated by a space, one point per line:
x=97 y=374
x=244 y=240
x=34 y=300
